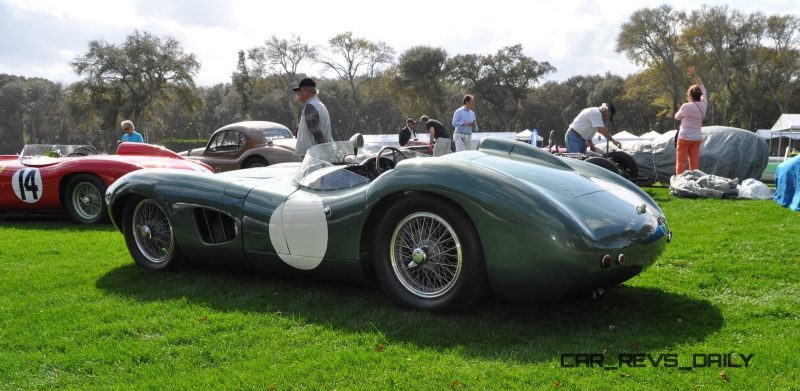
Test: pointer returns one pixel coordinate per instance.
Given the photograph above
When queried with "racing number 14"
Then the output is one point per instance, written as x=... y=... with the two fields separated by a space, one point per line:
x=28 y=184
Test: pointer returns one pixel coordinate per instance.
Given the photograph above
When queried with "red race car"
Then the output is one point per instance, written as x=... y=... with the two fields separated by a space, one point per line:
x=44 y=178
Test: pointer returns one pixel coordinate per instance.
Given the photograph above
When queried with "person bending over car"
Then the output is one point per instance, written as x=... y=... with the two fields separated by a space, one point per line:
x=586 y=124
x=438 y=135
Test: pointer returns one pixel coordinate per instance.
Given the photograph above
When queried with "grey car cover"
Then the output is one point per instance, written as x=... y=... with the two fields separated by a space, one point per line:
x=726 y=152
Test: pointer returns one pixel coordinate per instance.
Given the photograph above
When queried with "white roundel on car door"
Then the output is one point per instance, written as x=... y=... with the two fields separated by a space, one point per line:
x=299 y=231
x=27 y=185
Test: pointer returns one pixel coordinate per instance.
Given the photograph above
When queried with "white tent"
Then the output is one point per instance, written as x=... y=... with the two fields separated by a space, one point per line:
x=525 y=135
x=622 y=137
x=766 y=134
x=650 y=135
x=625 y=136
x=787 y=125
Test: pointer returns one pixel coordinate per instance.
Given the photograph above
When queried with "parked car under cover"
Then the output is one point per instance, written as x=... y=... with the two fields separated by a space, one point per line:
x=245 y=145
x=726 y=152
x=73 y=178
x=437 y=233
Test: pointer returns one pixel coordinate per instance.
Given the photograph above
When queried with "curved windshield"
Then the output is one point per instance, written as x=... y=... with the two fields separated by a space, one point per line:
x=324 y=167
x=55 y=150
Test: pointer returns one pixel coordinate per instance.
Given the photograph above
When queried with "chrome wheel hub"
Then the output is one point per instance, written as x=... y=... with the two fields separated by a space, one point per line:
x=426 y=255
x=145 y=232
x=418 y=257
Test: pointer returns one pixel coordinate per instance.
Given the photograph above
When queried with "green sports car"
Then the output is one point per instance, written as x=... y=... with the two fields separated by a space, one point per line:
x=436 y=233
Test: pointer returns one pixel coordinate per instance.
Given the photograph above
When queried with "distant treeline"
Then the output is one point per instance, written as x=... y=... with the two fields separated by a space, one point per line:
x=749 y=63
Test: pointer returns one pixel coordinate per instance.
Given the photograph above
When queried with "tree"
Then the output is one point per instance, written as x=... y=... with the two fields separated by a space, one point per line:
x=420 y=81
x=275 y=68
x=645 y=106
x=243 y=82
x=502 y=80
x=651 y=39
x=131 y=77
x=32 y=110
x=356 y=61
x=783 y=71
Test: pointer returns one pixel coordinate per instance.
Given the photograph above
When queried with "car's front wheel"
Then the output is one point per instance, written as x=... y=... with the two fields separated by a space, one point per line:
x=428 y=256
x=149 y=235
x=84 y=199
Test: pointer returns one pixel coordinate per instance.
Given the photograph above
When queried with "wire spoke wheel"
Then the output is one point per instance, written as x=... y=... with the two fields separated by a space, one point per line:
x=152 y=232
x=87 y=201
x=426 y=254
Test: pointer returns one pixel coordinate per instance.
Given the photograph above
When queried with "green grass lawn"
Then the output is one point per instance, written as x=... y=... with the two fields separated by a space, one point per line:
x=76 y=313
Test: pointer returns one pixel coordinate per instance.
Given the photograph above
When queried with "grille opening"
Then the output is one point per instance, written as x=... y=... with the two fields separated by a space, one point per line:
x=214 y=227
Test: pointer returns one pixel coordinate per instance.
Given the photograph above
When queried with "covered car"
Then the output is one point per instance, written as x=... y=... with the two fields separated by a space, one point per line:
x=437 y=233
x=73 y=178
x=726 y=152
x=787 y=184
x=245 y=145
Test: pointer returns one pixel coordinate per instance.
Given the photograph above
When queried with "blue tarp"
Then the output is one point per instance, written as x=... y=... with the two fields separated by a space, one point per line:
x=787 y=183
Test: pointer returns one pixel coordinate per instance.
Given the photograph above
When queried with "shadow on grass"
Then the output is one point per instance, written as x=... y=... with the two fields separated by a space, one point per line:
x=50 y=222
x=625 y=320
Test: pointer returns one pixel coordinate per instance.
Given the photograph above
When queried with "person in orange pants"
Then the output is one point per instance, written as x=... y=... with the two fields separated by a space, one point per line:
x=689 y=135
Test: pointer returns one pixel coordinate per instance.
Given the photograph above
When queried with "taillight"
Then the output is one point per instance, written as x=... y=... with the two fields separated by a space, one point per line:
x=621 y=259
x=606 y=261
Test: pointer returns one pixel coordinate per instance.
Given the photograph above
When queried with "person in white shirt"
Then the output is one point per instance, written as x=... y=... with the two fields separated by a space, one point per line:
x=588 y=123
x=464 y=123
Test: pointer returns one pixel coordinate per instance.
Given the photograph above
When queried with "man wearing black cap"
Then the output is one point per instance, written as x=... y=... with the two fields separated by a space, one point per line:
x=315 y=123
x=407 y=133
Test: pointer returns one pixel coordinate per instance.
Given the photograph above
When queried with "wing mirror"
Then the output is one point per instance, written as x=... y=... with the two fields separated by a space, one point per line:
x=358 y=141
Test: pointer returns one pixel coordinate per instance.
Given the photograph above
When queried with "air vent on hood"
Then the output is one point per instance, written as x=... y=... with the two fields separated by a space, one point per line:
x=214 y=227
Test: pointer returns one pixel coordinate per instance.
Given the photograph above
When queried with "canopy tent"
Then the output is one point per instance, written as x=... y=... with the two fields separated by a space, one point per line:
x=622 y=137
x=787 y=122
x=525 y=136
x=650 y=135
x=787 y=126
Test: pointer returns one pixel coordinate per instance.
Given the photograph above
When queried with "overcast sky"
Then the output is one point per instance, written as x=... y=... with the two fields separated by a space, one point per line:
x=578 y=37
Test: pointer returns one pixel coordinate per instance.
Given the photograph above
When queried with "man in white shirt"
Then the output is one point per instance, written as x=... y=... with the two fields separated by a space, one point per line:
x=464 y=122
x=586 y=124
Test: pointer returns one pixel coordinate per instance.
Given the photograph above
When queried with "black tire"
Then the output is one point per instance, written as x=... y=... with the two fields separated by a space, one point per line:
x=255 y=161
x=85 y=199
x=405 y=256
x=603 y=162
x=627 y=166
x=150 y=236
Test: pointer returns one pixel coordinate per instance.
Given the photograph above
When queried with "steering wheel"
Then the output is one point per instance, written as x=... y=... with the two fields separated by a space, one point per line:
x=394 y=151
x=82 y=151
